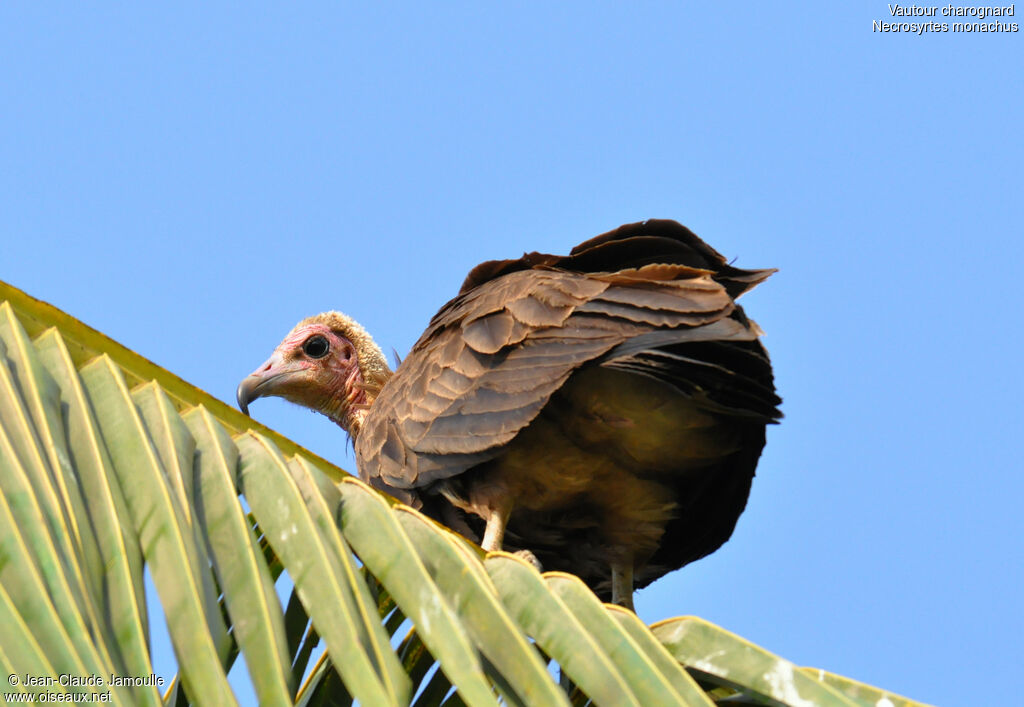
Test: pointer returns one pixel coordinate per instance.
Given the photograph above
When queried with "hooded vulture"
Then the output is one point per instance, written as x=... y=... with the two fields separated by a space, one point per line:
x=603 y=410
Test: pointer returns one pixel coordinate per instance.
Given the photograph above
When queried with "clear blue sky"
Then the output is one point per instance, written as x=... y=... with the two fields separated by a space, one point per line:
x=192 y=179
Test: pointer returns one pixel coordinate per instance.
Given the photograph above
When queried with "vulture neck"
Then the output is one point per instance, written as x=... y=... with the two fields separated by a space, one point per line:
x=361 y=388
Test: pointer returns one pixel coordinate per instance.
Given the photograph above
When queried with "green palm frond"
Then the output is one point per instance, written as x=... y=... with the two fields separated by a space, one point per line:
x=111 y=467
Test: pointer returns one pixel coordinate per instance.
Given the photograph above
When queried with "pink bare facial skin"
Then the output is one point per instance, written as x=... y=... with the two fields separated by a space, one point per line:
x=330 y=383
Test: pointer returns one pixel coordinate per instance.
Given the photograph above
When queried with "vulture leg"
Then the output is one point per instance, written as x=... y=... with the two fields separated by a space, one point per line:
x=494 y=533
x=622 y=584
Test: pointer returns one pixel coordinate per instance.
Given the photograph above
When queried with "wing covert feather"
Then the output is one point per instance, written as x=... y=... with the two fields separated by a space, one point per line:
x=492 y=357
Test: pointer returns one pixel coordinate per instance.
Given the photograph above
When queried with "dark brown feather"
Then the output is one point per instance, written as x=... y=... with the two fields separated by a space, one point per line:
x=619 y=394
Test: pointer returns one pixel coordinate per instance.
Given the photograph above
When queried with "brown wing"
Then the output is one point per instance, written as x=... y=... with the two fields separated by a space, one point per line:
x=492 y=357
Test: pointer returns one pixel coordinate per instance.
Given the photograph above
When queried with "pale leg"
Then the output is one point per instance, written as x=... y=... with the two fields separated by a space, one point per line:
x=494 y=534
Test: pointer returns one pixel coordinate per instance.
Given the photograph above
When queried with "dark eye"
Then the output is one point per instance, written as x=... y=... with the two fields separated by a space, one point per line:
x=316 y=347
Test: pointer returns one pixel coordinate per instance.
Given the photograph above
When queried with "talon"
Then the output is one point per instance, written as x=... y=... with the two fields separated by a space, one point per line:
x=531 y=558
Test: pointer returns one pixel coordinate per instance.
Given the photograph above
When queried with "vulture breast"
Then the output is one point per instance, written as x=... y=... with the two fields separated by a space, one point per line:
x=618 y=395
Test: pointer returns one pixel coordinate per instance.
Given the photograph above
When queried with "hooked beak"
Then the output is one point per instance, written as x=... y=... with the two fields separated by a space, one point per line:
x=264 y=381
x=247 y=392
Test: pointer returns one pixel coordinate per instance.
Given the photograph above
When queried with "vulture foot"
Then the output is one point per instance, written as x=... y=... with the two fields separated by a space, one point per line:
x=531 y=558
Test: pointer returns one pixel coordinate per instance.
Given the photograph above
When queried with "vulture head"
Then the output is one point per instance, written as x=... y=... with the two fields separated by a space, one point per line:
x=327 y=363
